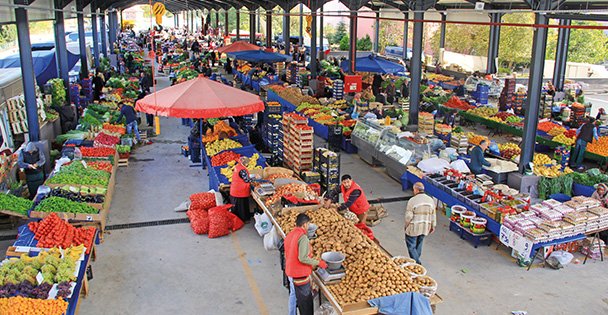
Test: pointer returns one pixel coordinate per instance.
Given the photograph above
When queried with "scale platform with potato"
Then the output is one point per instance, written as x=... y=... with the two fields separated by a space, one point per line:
x=334 y=271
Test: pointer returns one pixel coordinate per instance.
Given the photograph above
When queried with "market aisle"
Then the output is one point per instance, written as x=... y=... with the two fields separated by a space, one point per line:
x=167 y=269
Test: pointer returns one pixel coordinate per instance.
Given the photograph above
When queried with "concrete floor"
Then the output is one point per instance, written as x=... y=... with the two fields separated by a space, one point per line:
x=168 y=269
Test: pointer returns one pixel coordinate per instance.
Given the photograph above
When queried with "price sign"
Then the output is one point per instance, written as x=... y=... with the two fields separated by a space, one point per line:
x=522 y=245
x=506 y=236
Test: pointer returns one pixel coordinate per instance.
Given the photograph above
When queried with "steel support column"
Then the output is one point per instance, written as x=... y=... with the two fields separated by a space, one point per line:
x=416 y=70
x=251 y=26
x=321 y=32
x=535 y=85
x=286 y=31
x=217 y=19
x=258 y=19
x=301 y=39
x=104 y=32
x=61 y=48
x=84 y=66
x=377 y=32
x=561 y=55
x=493 y=43
x=226 y=22
x=238 y=24
x=268 y=28
x=95 y=39
x=313 y=44
x=352 y=50
x=442 y=31
x=27 y=73
x=192 y=28
x=112 y=31
x=406 y=27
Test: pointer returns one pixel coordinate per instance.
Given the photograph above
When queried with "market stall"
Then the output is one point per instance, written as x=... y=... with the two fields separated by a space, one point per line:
x=520 y=224
x=336 y=233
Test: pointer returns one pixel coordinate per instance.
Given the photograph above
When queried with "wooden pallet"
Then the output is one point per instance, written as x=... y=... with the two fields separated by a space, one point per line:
x=373 y=222
x=123 y=162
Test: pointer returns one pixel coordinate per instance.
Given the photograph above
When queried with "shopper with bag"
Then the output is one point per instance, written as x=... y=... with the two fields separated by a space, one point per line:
x=420 y=220
x=354 y=198
x=298 y=266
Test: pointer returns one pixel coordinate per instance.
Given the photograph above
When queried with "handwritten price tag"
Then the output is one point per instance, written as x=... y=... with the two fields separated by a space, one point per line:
x=506 y=236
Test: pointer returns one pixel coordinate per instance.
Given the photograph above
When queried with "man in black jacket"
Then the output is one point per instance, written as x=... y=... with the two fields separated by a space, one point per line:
x=584 y=135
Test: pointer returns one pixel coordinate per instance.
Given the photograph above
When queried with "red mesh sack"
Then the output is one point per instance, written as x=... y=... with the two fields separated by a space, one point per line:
x=235 y=222
x=203 y=201
x=219 y=221
x=199 y=221
x=366 y=230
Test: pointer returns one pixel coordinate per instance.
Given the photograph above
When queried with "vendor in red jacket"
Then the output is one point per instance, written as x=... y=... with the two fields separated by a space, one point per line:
x=240 y=189
x=299 y=263
x=354 y=198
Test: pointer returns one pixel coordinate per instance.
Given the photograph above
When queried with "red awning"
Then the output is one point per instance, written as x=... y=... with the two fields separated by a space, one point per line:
x=200 y=98
x=238 y=46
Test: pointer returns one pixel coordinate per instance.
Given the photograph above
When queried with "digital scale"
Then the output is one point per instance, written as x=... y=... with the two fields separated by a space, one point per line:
x=328 y=275
x=265 y=189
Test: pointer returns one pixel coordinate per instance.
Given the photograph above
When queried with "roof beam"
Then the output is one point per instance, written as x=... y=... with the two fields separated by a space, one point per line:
x=579 y=17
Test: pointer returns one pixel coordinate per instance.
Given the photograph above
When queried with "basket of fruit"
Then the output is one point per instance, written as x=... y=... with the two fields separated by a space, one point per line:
x=400 y=260
x=428 y=285
x=414 y=269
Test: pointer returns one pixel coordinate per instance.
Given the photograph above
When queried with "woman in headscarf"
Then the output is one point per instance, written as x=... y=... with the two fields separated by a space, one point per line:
x=601 y=194
x=31 y=160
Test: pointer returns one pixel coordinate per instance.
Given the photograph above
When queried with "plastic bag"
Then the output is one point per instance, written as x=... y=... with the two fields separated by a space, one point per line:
x=271 y=240
x=262 y=223
x=461 y=166
x=493 y=148
x=563 y=257
x=326 y=309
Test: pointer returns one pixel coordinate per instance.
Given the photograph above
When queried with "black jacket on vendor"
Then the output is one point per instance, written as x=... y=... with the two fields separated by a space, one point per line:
x=587 y=132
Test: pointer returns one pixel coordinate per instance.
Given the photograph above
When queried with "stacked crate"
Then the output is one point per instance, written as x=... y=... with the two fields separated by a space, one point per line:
x=460 y=142
x=17 y=114
x=272 y=134
x=426 y=123
x=339 y=89
x=297 y=142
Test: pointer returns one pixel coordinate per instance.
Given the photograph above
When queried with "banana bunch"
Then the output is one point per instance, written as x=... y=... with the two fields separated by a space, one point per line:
x=73 y=253
x=542 y=159
x=218 y=146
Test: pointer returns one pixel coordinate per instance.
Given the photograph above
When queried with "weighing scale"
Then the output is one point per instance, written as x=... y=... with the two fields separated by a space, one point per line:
x=328 y=275
x=265 y=189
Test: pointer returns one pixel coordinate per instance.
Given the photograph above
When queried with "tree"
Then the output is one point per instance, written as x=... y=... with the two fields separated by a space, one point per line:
x=463 y=39
x=516 y=42
x=8 y=33
x=364 y=44
x=339 y=34
x=391 y=34
x=585 y=45
x=344 y=43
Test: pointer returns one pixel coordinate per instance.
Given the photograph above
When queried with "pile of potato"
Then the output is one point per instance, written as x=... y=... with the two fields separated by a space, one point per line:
x=370 y=273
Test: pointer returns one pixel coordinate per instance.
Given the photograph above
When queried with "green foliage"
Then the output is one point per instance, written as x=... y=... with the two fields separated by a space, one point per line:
x=391 y=34
x=344 y=43
x=463 y=39
x=8 y=33
x=502 y=70
x=338 y=35
x=516 y=42
x=364 y=44
x=58 y=93
x=585 y=45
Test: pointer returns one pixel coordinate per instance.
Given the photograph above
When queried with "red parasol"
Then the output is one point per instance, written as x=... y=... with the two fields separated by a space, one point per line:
x=238 y=46
x=200 y=98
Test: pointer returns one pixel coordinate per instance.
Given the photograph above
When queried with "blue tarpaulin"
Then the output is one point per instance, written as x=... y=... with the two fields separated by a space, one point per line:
x=45 y=64
x=374 y=64
x=410 y=303
x=259 y=56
